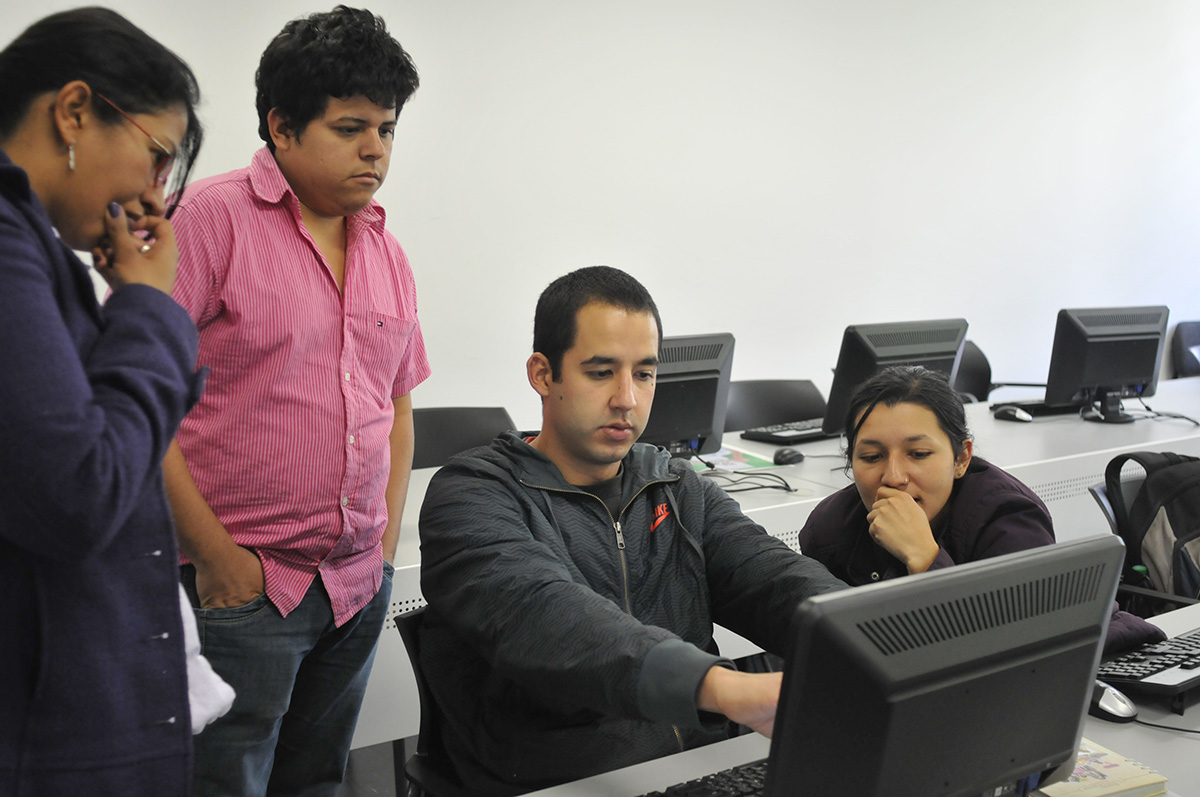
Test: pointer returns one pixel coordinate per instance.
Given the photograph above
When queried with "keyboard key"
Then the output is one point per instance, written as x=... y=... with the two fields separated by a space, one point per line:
x=1169 y=667
x=787 y=433
x=747 y=780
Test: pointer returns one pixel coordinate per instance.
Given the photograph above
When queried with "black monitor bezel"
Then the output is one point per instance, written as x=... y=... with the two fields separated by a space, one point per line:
x=704 y=358
x=869 y=348
x=1039 y=620
x=1081 y=337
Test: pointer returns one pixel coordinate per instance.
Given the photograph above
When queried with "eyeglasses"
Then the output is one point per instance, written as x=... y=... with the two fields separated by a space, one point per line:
x=164 y=159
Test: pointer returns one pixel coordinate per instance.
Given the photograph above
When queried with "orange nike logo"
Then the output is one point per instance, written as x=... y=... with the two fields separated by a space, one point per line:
x=660 y=514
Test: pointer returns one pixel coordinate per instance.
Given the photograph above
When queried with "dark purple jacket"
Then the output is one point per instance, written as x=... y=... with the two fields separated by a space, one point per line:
x=989 y=513
x=93 y=685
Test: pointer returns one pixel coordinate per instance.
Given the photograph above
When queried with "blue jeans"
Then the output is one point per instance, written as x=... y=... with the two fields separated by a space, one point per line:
x=299 y=682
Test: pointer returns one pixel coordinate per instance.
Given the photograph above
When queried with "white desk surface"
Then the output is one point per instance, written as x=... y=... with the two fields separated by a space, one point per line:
x=1057 y=456
x=1175 y=754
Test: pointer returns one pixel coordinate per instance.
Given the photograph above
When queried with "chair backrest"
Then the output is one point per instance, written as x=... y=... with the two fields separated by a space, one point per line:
x=1129 y=488
x=429 y=769
x=974 y=376
x=764 y=402
x=1185 y=349
x=441 y=432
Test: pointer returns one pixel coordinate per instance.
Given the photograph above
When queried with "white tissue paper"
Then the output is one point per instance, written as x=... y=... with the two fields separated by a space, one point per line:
x=208 y=694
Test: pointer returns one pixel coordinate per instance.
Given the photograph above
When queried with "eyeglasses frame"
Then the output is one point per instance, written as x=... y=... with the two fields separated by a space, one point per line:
x=162 y=169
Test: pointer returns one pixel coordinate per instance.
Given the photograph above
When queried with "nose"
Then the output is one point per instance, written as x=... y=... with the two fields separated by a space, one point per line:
x=152 y=201
x=373 y=147
x=623 y=397
x=896 y=474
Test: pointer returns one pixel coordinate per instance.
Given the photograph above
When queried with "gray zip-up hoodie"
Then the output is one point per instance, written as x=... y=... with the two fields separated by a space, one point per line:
x=561 y=641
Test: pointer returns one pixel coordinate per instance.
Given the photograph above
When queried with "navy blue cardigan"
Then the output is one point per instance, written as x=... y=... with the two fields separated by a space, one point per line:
x=93 y=683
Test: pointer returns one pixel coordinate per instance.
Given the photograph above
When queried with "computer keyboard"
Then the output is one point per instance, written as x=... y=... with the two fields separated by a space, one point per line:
x=750 y=780
x=785 y=434
x=1171 y=667
x=746 y=780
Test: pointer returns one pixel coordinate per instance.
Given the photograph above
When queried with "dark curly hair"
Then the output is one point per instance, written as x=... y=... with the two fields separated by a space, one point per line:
x=344 y=53
x=115 y=58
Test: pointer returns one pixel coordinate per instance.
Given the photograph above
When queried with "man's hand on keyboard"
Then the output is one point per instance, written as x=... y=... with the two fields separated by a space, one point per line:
x=746 y=698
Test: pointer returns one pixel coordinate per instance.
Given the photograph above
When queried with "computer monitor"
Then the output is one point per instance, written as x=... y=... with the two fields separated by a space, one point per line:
x=953 y=683
x=1103 y=354
x=692 y=389
x=869 y=348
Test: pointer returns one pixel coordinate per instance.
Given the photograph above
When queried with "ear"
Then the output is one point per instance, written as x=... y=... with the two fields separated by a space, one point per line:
x=964 y=458
x=72 y=109
x=537 y=368
x=280 y=130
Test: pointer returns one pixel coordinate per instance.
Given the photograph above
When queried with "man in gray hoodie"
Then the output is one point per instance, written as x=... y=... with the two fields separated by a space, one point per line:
x=573 y=576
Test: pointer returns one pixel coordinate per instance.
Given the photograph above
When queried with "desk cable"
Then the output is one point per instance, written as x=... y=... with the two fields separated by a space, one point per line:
x=1156 y=414
x=1166 y=727
x=733 y=482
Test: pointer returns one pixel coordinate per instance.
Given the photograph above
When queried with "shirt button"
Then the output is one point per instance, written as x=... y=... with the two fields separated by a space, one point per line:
x=346 y=376
x=351 y=438
x=345 y=501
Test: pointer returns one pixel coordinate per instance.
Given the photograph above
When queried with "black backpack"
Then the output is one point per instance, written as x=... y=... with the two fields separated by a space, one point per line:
x=1161 y=525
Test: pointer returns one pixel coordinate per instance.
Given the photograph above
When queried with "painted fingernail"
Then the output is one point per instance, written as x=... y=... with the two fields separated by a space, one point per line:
x=114 y=210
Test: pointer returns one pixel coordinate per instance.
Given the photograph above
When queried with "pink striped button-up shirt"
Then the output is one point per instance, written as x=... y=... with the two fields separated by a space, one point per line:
x=289 y=444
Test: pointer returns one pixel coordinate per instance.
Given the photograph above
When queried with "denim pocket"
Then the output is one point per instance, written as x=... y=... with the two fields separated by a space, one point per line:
x=234 y=614
x=388 y=570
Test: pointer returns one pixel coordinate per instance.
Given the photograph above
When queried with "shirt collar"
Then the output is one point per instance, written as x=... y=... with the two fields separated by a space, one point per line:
x=268 y=184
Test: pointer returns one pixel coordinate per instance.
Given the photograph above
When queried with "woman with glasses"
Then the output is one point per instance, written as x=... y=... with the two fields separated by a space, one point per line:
x=93 y=686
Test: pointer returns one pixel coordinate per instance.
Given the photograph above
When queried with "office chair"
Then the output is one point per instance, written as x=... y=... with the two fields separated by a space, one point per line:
x=1134 y=593
x=1185 y=349
x=428 y=773
x=765 y=402
x=441 y=432
x=973 y=380
x=974 y=376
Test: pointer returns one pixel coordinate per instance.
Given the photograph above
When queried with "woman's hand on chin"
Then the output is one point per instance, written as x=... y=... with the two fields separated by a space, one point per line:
x=898 y=523
x=123 y=257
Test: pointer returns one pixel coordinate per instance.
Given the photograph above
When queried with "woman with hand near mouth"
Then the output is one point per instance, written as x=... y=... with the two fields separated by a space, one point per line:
x=93 y=114
x=920 y=499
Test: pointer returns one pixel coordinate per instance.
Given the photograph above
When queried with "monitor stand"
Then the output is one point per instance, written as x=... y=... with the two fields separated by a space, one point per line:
x=1108 y=409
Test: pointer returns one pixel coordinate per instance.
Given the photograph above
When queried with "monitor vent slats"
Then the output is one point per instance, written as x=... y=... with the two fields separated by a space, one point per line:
x=700 y=352
x=887 y=340
x=961 y=617
x=1093 y=320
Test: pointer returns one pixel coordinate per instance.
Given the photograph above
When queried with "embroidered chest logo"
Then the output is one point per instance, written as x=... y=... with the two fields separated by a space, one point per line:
x=660 y=514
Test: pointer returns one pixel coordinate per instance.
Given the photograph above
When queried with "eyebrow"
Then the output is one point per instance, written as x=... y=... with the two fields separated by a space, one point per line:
x=600 y=359
x=917 y=438
x=341 y=120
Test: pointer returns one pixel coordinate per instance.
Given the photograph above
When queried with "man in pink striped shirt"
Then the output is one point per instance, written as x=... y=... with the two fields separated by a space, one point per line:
x=288 y=478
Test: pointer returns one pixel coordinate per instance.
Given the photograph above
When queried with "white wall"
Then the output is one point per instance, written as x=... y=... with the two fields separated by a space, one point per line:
x=774 y=168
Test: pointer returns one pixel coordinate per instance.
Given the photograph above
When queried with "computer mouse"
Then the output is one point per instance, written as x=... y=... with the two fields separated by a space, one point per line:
x=788 y=456
x=1109 y=704
x=1009 y=412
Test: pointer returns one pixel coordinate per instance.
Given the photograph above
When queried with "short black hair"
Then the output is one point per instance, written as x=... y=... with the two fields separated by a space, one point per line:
x=555 y=320
x=909 y=384
x=115 y=58
x=343 y=53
